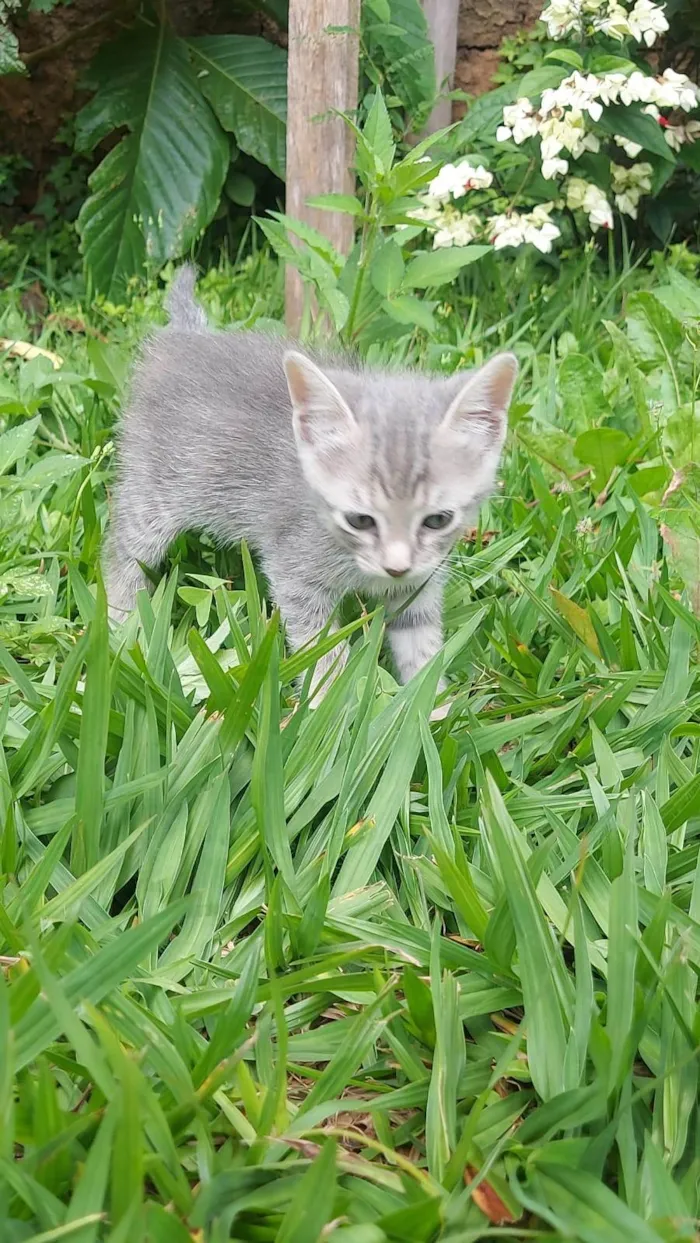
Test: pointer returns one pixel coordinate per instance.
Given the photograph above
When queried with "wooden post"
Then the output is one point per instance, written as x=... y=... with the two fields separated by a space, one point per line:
x=442 y=17
x=322 y=75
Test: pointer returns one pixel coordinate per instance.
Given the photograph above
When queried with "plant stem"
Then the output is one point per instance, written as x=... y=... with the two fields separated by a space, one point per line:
x=367 y=240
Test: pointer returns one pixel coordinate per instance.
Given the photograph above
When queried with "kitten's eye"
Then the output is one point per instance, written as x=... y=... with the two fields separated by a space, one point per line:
x=438 y=522
x=360 y=522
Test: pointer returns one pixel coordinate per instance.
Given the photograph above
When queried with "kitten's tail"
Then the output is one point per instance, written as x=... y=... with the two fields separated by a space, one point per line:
x=185 y=312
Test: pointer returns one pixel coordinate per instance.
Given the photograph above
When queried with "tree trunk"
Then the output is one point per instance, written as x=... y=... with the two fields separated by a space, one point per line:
x=322 y=79
x=442 y=17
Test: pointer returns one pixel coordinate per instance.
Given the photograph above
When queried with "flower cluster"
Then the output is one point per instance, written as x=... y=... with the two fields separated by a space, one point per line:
x=567 y=124
x=584 y=196
x=452 y=227
x=643 y=22
x=454 y=180
x=515 y=228
x=629 y=184
x=565 y=112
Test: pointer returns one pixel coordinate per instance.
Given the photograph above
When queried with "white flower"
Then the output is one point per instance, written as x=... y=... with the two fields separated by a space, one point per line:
x=615 y=23
x=425 y=214
x=638 y=88
x=609 y=86
x=627 y=203
x=577 y=92
x=675 y=90
x=629 y=184
x=646 y=21
x=569 y=132
x=515 y=229
x=560 y=17
x=519 y=122
x=677 y=135
x=584 y=196
x=456 y=229
x=453 y=181
x=630 y=148
x=554 y=168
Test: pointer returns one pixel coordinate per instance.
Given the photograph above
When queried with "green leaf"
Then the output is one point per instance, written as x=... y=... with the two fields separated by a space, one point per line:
x=566 y=56
x=312 y=1205
x=85 y=849
x=245 y=80
x=240 y=189
x=93 y=980
x=538 y=956
x=377 y=134
x=159 y=187
x=387 y=269
x=411 y=311
x=634 y=124
x=337 y=202
x=603 y=448
x=10 y=59
x=580 y=387
x=440 y=267
x=16 y=443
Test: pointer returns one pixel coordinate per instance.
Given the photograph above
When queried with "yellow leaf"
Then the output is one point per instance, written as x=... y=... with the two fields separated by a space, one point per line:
x=23 y=349
x=578 y=619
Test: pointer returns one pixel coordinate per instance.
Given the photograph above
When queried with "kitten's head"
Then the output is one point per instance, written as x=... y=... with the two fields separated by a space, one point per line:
x=399 y=463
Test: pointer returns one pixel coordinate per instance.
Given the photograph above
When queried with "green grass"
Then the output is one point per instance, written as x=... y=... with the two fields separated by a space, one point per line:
x=273 y=974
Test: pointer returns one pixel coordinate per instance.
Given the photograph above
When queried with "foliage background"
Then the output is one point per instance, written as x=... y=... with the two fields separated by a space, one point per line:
x=274 y=974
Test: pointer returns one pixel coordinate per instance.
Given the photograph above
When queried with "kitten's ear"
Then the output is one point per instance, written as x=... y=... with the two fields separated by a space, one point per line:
x=481 y=405
x=322 y=418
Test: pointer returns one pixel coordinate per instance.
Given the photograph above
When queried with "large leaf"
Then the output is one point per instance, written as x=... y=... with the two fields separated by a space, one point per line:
x=159 y=187
x=635 y=125
x=439 y=267
x=245 y=81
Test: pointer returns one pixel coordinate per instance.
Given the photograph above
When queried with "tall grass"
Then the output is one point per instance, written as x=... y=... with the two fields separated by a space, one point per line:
x=274 y=974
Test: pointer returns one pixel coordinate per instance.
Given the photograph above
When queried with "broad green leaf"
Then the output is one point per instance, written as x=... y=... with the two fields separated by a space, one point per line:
x=633 y=124
x=159 y=186
x=245 y=80
x=387 y=269
x=16 y=443
x=432 y=268
x=411 y=311
x=603 y=448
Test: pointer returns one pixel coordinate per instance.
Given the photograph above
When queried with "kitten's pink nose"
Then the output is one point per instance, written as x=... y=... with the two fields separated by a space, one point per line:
x=397 y=559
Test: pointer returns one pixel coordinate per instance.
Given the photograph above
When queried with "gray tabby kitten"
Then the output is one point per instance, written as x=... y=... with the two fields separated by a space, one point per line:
x=343 y=478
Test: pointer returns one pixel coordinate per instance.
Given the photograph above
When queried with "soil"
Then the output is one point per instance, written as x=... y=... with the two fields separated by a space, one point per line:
x=58 y=47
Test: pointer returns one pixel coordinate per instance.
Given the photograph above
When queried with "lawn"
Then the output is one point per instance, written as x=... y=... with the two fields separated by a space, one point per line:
x=278 y=974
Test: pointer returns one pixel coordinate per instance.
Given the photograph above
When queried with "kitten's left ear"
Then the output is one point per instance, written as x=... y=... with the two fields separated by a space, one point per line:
x=481 y=405
x=322 y=418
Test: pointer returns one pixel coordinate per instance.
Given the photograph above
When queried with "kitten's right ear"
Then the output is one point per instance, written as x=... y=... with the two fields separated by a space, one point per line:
x=481 y=404
x=322 y=418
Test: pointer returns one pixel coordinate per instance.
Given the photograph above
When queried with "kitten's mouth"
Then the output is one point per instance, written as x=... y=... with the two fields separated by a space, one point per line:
x=413 y=577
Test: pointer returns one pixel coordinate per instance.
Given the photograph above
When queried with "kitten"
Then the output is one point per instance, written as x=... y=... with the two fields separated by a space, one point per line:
x=342 y=478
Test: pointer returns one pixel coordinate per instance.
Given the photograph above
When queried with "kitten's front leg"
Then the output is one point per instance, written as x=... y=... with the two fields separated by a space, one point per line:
x=306 y=609
x=415 y=634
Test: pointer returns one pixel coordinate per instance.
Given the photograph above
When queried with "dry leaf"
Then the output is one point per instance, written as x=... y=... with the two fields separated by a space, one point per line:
x=23 y=349
x=489 y=1200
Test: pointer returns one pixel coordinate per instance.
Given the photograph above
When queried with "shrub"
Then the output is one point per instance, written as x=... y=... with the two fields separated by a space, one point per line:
x=589 y=135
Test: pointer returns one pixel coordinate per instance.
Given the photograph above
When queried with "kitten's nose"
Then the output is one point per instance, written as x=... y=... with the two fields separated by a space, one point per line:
x=397 y=560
